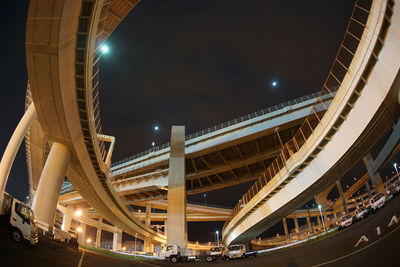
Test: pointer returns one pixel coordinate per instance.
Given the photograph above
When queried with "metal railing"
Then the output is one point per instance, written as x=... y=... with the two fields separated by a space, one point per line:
x=335 y=77
x=225 y=125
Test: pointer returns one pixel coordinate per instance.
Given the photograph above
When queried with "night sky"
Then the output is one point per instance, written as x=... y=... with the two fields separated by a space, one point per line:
x=192 y=63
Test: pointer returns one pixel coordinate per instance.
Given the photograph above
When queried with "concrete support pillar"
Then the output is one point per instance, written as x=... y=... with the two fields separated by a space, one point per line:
x=98 y=234
x=285 y=228
x=82 y=234
x=309 y=225
x=67 y=218
x=117 y=240
x=375 y=177
x=327 y=222
x=319 y=223
x=176 y=217
x=148 y=246
x=368 y=189
x=12 y=148
x=334 y=215
x=296 y=224
x=147 y=220
x=45 y=201
x=344 y=203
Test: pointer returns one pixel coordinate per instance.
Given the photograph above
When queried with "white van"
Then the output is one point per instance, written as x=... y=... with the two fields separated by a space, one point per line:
x=377 y=201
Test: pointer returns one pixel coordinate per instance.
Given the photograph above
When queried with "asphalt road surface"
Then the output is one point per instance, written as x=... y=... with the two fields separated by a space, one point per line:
x=373 y=241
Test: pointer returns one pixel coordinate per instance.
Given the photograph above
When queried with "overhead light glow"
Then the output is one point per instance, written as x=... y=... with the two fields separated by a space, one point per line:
x=78 y=213
x=104 y=48
x=274 y=83
x=156 y=128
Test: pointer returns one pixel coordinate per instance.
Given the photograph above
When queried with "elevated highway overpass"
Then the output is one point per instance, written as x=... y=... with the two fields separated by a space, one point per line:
x=363 y=110
x=291 y=164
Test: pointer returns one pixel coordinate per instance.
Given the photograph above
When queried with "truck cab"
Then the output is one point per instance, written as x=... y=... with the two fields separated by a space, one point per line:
x=237 y=251
x=346 y=221
x=175 y=253
x=20 y=219
x=377 y=201
x=218 y=252
x=361 y=213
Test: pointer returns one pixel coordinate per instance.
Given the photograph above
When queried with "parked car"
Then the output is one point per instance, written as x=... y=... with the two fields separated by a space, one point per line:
x=236 y=251
x=377 y=201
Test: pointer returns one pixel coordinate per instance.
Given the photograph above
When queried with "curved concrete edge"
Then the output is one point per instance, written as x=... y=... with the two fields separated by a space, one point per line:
x=374 y=93
x=51 y=40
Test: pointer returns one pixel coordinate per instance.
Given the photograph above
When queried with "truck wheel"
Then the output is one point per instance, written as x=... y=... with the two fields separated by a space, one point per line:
x=17 y=235
x=209 y=259
x=174 y=259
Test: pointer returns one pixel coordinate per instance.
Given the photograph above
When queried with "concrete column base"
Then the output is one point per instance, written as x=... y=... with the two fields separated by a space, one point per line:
x=45 y=202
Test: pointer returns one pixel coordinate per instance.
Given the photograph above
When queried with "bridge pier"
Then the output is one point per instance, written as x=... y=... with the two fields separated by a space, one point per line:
x=296 y=224
x=176 y=211
x=374 y=176
x=12 y=148
x=310 y=229
x=46 y=197
x=67 y=218
x=285 y=228
x=344 y=203
x=148 y=245
x=117 y=240
x=368 y=189
x=98 y=234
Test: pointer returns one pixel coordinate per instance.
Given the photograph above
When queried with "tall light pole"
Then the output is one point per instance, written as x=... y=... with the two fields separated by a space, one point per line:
x=135 y=242
x=217 y=238
x=322 y=218
x=156 y=128
x=397 y=171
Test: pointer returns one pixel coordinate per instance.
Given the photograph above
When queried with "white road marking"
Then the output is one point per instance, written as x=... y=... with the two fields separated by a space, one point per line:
x=81 y=260
x=361 y=249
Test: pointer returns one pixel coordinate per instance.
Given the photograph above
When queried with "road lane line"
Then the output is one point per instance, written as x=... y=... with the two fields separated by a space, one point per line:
x=350 y=254
x=81 y=260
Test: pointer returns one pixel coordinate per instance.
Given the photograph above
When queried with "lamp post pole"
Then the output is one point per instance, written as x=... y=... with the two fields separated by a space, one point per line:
x=217 y=239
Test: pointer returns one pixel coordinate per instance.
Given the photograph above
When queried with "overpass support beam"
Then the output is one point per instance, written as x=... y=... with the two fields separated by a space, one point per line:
x=340 y=189
x=45 y=201
x=67 y=218
x=309 y=225
x=319 y=223
x=375 y=176
x=296 y=224
x=176 y=211
x=368 y=189
x=98 y=234
x=148 y=246
x=285 y=228
x=12 y=148
x=117 y=240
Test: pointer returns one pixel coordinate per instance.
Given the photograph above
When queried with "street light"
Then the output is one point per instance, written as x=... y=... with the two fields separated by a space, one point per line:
x=104 y=48
x=397 y=171
x=88 y=240
x=217 y=239
x=78 y=213
x=322 y=218
x=79 y=229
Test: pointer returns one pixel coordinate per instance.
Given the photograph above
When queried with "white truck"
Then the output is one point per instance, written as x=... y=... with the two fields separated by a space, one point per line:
x=19 y=218
x=377 y=201
x=175 y=253
x=361 y=213
x=346 y=221
x=215 y=253
x=236 y=251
